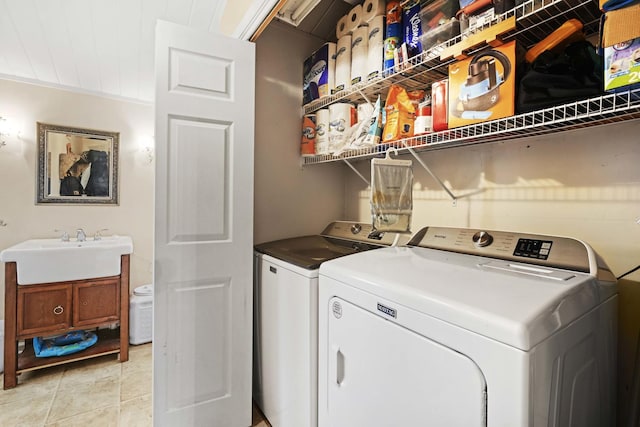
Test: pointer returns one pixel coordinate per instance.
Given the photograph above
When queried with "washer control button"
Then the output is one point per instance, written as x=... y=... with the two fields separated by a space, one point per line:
x=356 y=228
x=482 y=239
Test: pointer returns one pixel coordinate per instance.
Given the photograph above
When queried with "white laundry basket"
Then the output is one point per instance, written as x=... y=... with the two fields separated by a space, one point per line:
x=141 y=315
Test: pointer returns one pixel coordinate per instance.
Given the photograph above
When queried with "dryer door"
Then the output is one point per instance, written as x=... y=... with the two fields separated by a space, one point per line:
x=382 y=374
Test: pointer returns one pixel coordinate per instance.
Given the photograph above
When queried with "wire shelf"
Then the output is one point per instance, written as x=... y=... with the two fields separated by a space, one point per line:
x=535 y=19
x=610 y=108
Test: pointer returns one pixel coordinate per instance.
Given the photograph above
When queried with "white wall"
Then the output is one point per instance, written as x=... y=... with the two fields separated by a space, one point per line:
x=289 y=200
x=28 y=104
x=583 y=184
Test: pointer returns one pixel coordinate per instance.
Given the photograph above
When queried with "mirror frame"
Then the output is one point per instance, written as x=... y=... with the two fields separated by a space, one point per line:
x=111 y=138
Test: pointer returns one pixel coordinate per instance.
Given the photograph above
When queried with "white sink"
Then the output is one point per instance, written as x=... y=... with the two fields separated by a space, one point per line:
x=52 y=260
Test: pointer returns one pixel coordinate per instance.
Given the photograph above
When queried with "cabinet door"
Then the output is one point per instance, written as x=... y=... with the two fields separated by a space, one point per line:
x=43 y=309
x=96 y=302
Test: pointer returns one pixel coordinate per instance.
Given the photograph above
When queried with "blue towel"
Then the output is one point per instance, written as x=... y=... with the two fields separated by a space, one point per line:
x=57 y=347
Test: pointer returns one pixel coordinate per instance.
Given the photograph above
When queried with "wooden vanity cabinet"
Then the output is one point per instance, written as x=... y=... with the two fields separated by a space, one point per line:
x=55 y=308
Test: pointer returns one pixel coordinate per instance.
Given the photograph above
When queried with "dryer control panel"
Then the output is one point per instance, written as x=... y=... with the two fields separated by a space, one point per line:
x=550 y=251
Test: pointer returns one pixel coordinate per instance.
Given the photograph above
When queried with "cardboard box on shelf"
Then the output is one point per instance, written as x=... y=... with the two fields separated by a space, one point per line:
x=621 y=25
x=482 y=87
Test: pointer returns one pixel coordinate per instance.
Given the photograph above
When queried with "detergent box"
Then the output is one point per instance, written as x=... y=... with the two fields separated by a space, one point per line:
x=482 y=87
x=621 y=41
x=318 y=73
x=622 y=66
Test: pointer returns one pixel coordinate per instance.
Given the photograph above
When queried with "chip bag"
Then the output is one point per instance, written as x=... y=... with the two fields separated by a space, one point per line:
x=400 y=115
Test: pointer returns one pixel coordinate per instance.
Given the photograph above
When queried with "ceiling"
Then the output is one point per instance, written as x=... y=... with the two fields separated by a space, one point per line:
x=106 y=47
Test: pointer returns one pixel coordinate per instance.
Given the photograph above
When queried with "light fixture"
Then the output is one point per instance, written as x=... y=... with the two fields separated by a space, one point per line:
x=147 y=144
x=3 y=131
x=294 y=11
x=7 y=128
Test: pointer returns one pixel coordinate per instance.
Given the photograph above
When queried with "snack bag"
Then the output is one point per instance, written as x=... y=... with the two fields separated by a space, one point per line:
x=400 y=114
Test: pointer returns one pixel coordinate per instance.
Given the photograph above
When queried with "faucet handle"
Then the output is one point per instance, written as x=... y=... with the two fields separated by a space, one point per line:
x=65 y=235
x=98 y=234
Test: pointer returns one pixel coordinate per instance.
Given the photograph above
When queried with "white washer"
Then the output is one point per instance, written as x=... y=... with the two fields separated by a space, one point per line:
x=468 y=328
x=286 y=318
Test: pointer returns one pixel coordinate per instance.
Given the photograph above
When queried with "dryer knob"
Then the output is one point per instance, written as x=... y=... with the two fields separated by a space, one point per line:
x=482 y=239
x=356 y=228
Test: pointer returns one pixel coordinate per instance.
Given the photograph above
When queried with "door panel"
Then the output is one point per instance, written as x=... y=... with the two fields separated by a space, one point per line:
x=199 y=155
x=381 y=374
x=203 y=228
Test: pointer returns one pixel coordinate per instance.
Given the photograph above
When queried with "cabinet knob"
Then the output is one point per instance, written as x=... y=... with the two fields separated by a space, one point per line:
x=58 y=309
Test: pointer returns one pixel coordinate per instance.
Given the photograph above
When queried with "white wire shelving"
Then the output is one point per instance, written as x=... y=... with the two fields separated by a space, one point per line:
x=535 y=19
x=610 y=108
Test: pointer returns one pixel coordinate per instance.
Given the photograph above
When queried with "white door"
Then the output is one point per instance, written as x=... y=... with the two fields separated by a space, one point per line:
x=203 y=228
x=380 y=374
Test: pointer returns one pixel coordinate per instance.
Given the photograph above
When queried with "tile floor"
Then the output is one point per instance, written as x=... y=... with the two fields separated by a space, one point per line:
x=96 y=392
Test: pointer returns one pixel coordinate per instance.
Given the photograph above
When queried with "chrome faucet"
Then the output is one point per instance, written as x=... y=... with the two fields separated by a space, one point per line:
x=65 y=235
x=98 y=235
x=80 y=236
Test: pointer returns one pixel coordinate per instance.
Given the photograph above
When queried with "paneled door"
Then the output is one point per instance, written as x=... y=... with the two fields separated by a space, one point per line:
x=205 y=86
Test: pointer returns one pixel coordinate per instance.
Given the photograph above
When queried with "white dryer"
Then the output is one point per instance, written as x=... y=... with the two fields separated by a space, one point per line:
x=468 y=328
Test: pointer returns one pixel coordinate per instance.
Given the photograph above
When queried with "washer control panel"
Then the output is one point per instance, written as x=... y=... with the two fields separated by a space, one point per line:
x=355 y=231
x=550 y=251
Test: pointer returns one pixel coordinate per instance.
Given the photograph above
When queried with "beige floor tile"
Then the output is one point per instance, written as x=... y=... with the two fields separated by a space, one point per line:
x=136 y=412
x=84 y=398
x=135 y=384
x=141 y=350
x=87 y=372
x=139 y=359
x=103 y=417
x=26 y=413
x=96 y=392
x=32 y=384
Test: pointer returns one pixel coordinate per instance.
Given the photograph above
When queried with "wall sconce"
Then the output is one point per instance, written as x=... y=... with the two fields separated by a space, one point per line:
x=7 y=128
x=148 y=147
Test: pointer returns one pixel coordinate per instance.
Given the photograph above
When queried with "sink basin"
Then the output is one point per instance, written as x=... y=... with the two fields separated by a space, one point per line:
x=52 y=260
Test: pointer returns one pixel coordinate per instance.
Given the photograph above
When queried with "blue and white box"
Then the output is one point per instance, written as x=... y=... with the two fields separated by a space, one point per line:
x=622 y=66
x=318 y=73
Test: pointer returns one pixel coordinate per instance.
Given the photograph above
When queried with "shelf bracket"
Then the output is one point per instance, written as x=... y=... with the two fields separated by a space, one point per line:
x=425 y=167
x=357 y=172
x=364 y=96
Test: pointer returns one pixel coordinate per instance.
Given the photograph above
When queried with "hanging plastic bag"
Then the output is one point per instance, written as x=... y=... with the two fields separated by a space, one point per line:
x=391 y=194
